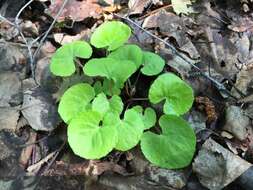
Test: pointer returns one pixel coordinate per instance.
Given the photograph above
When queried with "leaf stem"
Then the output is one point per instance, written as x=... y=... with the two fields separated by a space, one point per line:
x=137 y=99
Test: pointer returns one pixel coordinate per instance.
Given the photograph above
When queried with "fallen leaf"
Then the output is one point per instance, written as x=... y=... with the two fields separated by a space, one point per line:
x=76 y=10
x=9 y=117
x=92 y=168
x=63 y=38
x=216 y=167
x=174 y=27
x=137 y=6
x=27 y=151
x=182 y=6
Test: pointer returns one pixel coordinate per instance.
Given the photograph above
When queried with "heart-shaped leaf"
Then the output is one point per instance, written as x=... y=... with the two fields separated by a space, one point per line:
x=116 y=104
x=128 y=52
x=112 y=34
x=148 y=117
x=153 y=64
x=117 y=70
x=178 y=94
x=89 y=140
x=130 y=130
x=62 y=62
x=101 y=104
x=172 y=149
x=75 y=100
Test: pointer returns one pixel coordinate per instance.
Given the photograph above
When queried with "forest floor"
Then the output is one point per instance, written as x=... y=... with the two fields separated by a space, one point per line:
x=213 y=52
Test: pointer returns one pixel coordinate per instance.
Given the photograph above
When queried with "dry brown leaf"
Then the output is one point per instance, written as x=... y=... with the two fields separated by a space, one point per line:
x=63 y=38
x=76 y=10
x=92 y=168
x=174 y=27
x=27 y=151
x=137 y=6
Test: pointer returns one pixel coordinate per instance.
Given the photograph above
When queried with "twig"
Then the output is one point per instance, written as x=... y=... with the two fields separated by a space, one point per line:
x=35 y=142
x=49 y=29
x=154 y=11
x=218 y=85
x=33 y=169
x=16 y=24
x=21 y=10
x=137 y=99
x=6 y=20
x=29 y=46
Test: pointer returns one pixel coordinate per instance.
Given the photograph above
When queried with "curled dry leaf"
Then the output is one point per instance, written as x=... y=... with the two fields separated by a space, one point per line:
x=64 y=38
x=76 y=10
x=216 y=167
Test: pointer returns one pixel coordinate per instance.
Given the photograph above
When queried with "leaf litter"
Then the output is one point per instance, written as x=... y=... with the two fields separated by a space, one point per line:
x=212 y=36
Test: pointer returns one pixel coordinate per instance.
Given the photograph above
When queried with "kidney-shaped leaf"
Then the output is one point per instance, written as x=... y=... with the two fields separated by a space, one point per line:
x=62 y=62
x=148 y=117
x=116 y=104
x=152 y=64
x=128 y=52
x=89 y=140
x=117 y=70
x=178 y=94
x=172 y=149
x=75 y=100
x=130 y=130
x=101 y=104
x=111 y=34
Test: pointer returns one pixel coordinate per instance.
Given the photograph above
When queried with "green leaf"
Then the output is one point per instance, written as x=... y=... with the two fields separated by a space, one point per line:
x=67 y=82
x=153 y=64
x=117 y=70
x=109 y=87
x=116 y=104
x=89 y=140
x=182 y=6
x=75 y=100
x=98 y=87
x=178 y=94
x=101 y=104
x=172 y=149
x=128 y=52
x=62 y=62
x=148 y=117
x=112 y=34
x=130 y=130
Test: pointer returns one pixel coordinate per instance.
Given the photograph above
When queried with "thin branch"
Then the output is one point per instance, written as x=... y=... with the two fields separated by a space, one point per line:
x=6 y=20
x=29 y=46
x=218 y=85
x=20 y=11
x=23 y=37
x=49 y=29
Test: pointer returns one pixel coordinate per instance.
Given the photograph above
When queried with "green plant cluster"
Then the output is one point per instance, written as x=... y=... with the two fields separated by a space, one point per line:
x=97 y=119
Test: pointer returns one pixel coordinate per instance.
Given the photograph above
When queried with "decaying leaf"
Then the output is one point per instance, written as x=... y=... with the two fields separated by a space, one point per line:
x=76 y=10
x=174 y=27
x=216 y=167
x=182 y=6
